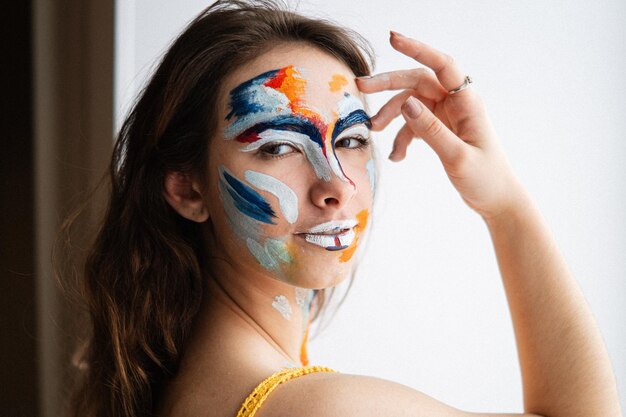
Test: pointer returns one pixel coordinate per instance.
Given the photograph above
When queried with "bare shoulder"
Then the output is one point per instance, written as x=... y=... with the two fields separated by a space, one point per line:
x=338 y=395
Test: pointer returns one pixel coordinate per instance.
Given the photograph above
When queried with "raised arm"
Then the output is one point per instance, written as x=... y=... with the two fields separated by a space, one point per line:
x=565 y=367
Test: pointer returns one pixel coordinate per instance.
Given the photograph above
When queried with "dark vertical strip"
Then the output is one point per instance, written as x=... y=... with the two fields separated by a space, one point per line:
x=73 y=123
x=18 y=350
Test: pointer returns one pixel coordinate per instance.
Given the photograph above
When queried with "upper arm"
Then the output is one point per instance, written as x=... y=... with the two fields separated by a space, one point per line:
x=339 y=395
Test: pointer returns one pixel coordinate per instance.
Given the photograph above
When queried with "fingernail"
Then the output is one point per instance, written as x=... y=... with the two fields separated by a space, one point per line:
x=365 y=77
x=394 y=33
x=412 y=107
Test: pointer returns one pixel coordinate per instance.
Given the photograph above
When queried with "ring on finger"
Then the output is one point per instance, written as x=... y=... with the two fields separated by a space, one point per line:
x=466 y=82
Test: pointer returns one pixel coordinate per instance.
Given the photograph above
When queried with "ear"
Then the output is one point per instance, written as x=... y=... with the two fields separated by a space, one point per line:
x=183 y=194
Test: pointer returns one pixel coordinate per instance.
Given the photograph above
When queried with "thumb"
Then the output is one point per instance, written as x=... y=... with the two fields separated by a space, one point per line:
x=423 y=123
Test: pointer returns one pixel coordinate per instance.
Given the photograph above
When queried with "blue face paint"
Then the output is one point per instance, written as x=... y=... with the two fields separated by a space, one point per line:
x=283 y=123
x=248 y=201
x=243 y=98
x=354 y=118
x=272 y=108
x=245 y=215
x=275 y=101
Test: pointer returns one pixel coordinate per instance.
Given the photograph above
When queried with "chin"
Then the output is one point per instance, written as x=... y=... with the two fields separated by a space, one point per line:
x=317 y=275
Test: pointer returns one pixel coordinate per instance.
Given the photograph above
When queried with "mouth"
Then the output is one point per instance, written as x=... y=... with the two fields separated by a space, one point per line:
x=332 y=236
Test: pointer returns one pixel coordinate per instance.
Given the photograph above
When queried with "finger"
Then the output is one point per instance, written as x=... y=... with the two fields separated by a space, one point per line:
x=423 y=123
x=419 y=79
x=401 y=143
x=448 y=73
x=390 y=110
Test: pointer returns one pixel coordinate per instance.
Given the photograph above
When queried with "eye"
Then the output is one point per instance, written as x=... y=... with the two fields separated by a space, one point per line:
x=274 y=150
x=352 y=142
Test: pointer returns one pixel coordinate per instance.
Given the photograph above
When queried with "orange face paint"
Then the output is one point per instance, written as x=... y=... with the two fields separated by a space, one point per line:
x=289 y=81
x=275 y=101
x=337 y=83
x=362 y=218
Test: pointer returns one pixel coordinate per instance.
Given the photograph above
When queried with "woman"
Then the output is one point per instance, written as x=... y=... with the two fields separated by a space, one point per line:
x=242 y=186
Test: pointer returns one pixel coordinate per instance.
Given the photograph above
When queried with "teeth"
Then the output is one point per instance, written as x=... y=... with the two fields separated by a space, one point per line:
x=331 y=232
x=328 y=241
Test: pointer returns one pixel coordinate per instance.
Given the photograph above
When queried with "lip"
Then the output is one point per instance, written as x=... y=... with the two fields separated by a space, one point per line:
x=332 y=226
x=333 y=235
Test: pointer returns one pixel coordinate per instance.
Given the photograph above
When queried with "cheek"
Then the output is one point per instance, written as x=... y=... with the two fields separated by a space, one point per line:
x=370 y=167
x=253 y=216
x=285 y=196
x=244 y=198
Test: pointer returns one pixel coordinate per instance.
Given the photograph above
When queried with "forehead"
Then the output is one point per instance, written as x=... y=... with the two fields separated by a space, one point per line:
x=326 y=78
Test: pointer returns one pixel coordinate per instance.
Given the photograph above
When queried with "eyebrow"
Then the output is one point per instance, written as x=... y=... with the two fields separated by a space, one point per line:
x=356 y=117
x=286 y=123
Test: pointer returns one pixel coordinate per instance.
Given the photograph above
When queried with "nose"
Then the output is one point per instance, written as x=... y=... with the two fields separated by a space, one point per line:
x=333 y=194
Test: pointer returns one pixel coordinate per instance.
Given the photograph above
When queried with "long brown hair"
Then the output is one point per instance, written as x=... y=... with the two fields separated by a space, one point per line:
x=142 y=283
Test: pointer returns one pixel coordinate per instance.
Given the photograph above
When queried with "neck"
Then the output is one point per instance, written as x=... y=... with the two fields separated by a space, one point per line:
x=275 y=313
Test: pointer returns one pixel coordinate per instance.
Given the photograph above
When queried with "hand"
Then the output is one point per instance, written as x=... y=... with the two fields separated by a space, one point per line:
x=455 y=126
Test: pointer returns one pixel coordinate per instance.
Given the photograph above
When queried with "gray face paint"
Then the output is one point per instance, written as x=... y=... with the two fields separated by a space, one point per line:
x=271 y=254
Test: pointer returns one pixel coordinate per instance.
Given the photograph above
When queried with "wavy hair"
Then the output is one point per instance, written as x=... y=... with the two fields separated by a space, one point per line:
x=142 y=282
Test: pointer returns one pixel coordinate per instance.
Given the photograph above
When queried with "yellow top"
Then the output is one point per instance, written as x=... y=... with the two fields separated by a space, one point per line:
x=254 y=401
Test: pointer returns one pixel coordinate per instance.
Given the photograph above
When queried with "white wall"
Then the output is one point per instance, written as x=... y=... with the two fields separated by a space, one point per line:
x=428 y=309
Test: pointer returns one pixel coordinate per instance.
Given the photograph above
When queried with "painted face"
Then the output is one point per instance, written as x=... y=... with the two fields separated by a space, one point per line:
x=293 y=169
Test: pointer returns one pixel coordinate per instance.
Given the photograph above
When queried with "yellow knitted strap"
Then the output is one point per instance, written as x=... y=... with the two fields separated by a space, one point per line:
x=254 y=401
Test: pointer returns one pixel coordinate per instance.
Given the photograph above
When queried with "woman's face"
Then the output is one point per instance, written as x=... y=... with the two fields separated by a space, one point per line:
x=291 y=168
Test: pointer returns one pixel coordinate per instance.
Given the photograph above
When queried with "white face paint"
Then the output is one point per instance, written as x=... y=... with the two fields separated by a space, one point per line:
x=349 y=104
x=303 y=296
x=272 y=252
x=333 y=235
x=244 y=226
x=281 y=304
x=358 y=130
x=272 y=106
x=255 y=92
x=299 y=140
x=334 y=241
x=277 y=108
x=287 y=198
